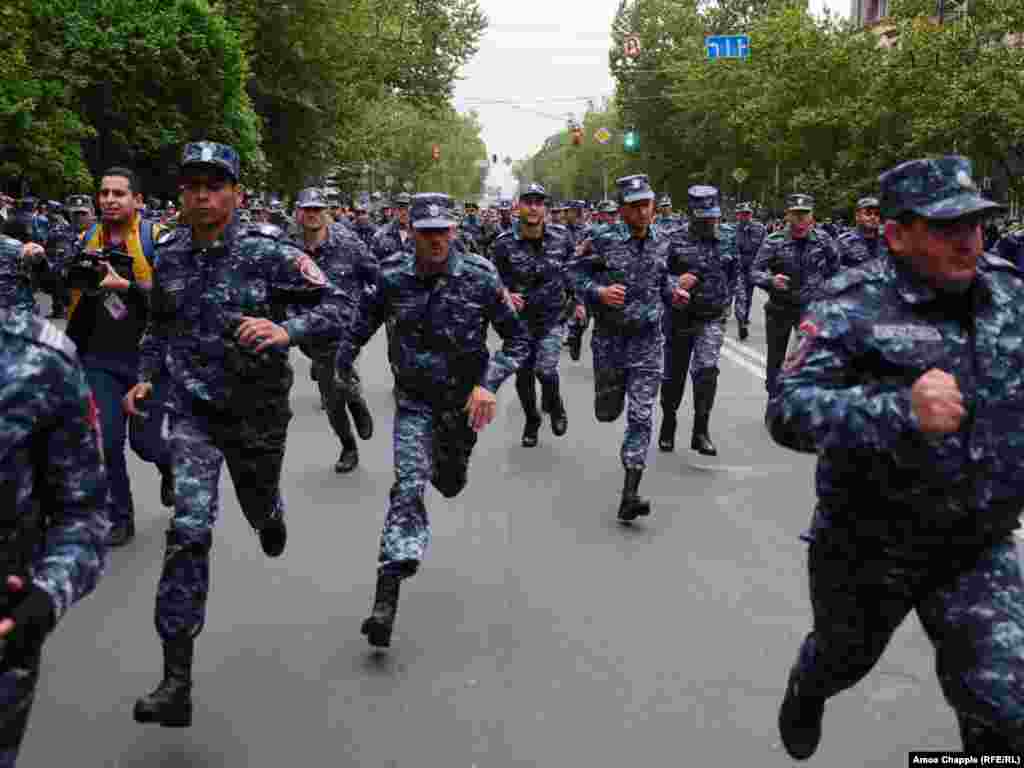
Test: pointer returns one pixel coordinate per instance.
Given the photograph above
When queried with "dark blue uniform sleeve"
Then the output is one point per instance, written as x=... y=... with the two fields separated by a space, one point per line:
x=74 y=554
x=316 y=307
x=370 y=315
x=516 y=339
x=824 y=402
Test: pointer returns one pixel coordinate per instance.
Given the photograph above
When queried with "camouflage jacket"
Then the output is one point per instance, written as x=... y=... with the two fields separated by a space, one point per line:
x=855 y=249
x=749 y=237
x=845 y=394
x=472 y=231
x=51 y=470
x=440 y=327
x=200 y=295
x=541 y=277
x=715 y=263
x=1011 y=247
x=614 y=256
x=808 y=268
x=350 y=267
x=387 y=241
x=15 y=277
x=365 y=232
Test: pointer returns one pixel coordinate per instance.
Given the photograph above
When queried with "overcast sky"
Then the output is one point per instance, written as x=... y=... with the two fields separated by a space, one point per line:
x=543 y=59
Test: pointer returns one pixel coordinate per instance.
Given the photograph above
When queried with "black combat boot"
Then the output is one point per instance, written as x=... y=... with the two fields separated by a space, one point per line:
x=744 y=332
x=667 y=435
x=703 y=399
x=166 y=485
x=800 y=721
x=361 y=416
x=122 y=532
x=555 y=407
x=273 y=537
x=170 y=704
x=348 y=460
x=575 y=344
x=632 y=505
x=378 y=627
x=528 y=397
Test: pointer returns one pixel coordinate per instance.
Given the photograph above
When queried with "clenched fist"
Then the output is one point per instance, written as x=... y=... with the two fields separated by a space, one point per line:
x=937 y=402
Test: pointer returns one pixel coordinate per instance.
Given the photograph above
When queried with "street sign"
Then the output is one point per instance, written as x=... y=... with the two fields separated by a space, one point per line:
x=631 y=46
x=602 y=135
x=727 y=46
x=740 y=175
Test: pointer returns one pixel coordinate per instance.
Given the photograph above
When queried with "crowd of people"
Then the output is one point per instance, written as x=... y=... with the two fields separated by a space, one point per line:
x=908 y=357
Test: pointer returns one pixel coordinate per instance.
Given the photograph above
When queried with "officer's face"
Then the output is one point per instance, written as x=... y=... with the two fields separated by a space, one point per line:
x=312 y=219
x=744 y=216
x=800 y=223
x=867 y=220
x=945 y=253
x=209 y=197
x=532 y=210
x=638 y=215
x=117 y=202
x=362 y=217
x=432 y=246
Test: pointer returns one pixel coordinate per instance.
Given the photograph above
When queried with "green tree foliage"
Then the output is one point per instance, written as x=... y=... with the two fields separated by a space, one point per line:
x=818 y=106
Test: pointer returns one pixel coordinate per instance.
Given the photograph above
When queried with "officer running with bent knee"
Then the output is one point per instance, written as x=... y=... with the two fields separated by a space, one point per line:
x=441 y=300
x=702 y=257
x=228 y=300
x=907 y=383
x=532 y=260
x=622 y=274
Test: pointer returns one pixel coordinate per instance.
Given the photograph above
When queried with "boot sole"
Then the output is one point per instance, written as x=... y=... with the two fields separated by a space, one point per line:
x=167 y=722
x=378 y=635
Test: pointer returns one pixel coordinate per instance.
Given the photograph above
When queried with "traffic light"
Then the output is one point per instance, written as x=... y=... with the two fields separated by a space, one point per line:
x=435 y=152
x=577 y=136
x=631 y=140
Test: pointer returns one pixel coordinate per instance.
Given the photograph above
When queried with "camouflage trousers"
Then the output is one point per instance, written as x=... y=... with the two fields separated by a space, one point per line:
x=695 y=347
x=542 y=364
x=431 y=444
x=17 y=691
x=201 y=441
x=744 y=294
x=628 y=366
x=970 y=602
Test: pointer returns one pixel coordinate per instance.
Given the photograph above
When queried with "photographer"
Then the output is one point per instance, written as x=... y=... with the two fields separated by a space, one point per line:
x=106 y=319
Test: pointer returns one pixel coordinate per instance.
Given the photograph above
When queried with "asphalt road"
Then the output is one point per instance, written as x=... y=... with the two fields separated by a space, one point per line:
x=539 y=633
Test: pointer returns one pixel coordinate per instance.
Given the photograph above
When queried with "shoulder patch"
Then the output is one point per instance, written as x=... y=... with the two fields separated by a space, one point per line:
x=39 y=331
x=167 y=237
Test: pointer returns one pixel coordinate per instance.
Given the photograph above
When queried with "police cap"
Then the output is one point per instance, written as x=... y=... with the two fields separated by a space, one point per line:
x=211 y=154
x=940 y=188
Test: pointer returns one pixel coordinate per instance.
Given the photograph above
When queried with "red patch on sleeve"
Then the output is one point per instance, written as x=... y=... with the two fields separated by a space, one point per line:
x=809 y=328
x=92 y=413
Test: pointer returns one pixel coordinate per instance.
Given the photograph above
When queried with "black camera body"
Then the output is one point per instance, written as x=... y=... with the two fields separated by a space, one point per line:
x=86 y=272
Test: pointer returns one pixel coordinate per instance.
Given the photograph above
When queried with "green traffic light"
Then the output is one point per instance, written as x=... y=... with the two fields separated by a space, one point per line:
x=631 y=140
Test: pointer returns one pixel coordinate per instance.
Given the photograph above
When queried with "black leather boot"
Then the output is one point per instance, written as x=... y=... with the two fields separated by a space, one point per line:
x=632 y=505
x=528 y=397
x=361 y=417
x=378 y=626
x=744 y=332
x=273 y=537
x=348 y=460
x=800 y=721
x=575 y=344
x=166 y=486
x=703 y=400
x=170 y=705
x=555 y=407
x=121 y=533
x=667 y=435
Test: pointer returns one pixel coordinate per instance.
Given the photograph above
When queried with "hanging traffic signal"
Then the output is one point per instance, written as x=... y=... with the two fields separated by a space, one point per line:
x=435 y=152
x=577 y=136
x=631 y=140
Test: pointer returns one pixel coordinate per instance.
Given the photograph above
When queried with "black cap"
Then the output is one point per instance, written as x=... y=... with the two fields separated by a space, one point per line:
x=401 y=200
x=799 y=202
x=702 y=200
x=213 y=154
x=534 y=190
x=868 y=202
x=939 y=188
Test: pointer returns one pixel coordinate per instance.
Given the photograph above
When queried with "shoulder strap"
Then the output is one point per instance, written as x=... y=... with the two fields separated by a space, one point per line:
x=146 y=232
x=90 y=234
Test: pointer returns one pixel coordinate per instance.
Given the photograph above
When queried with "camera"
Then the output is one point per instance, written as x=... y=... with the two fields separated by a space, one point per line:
x=86 y=272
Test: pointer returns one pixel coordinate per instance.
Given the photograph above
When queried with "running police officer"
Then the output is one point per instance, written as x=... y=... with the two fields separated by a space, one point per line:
x=865 y=242
x=907 y=383
x=703 y=259
x=446 y=381
x=749 y=236
x=227 y=302
x=532 y=260
x=792 y=265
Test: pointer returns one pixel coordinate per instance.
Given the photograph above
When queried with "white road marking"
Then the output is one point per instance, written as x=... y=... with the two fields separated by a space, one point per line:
x=744 y=362
x=746 y=351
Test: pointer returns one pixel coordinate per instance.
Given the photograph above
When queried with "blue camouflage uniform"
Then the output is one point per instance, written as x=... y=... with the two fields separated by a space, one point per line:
x=808 y=262
x=749 y=237
x=53 y=521
x=907 y=520
x=855 y=249
x=538 y=270
x=627 y=342
x=15 y=277
x=472 y=231
x=350 y=267
x=695 y=331
x=1011 y=247
x=440 y=355
x=227 y=404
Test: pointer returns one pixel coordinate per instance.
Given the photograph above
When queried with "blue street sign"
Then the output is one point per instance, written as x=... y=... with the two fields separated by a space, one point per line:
x=727 y=46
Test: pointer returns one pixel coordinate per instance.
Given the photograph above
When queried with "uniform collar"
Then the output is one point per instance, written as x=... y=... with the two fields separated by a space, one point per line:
x=452 y=268
x=915 y=290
